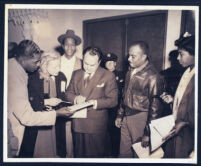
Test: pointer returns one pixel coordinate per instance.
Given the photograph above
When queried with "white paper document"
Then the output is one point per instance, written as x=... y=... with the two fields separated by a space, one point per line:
x=160 y=129
x=145 y=152
x=80 y=110
x=80 y=114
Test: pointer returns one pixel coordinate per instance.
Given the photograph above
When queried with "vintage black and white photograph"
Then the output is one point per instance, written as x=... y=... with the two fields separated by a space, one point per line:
x=100 y=83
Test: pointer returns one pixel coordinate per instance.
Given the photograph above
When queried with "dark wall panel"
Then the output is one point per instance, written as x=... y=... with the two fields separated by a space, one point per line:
x=107 y=35
x=115 y=34
x=150 y=29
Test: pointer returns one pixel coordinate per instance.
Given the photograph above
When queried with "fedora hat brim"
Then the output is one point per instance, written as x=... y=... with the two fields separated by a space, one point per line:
x=77 y=39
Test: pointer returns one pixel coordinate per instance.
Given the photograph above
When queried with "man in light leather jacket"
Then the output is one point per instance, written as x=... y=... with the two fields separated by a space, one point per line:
x=141 y=102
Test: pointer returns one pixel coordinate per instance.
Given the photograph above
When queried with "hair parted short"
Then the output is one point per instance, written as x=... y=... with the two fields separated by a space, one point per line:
x=93 y=51
x=27 y=48
x=143 y=45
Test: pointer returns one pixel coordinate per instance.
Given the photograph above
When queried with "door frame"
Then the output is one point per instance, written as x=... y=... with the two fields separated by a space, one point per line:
x=127 y=16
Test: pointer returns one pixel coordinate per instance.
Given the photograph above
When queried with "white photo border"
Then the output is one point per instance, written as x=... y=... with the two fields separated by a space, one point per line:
x=98 y=7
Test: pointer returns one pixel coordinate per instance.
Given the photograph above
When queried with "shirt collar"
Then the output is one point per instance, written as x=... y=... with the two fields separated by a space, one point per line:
x=137 y=69
x=66 y=59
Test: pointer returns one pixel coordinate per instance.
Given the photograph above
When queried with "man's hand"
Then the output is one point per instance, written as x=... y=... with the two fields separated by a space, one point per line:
x=94 y=102
x=167 y=98
x=178 y=126
x=79 y=99
x=64 y=112
x=118 y=122
x=145 y=141
x=52 y=101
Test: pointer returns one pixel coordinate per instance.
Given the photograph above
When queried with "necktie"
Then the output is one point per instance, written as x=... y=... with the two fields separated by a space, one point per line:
x=86 y=80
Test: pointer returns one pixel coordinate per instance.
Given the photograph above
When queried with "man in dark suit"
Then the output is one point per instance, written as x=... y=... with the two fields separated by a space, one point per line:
x=95 y=84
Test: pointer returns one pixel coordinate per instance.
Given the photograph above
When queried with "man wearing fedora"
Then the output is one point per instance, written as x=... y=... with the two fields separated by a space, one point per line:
x=69 y=63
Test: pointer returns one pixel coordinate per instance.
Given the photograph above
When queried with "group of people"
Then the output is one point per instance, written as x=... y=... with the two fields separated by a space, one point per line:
x=42 y=85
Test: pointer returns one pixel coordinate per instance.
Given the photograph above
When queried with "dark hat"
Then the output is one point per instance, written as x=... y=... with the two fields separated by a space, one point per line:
x=69 y=34
x=110 y=57
x=187 y=42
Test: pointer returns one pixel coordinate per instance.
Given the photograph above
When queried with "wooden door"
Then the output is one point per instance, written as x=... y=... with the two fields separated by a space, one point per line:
x=116 y=34
x=108 y=36
x=152 y=30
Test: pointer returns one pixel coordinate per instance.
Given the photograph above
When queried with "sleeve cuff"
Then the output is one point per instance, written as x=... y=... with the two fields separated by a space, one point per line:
x=95 y=104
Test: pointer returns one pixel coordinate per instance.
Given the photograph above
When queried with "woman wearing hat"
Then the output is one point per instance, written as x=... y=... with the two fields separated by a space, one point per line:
x=183 y=101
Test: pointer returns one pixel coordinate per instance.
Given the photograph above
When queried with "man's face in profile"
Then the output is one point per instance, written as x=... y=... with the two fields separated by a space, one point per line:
x=136 y=56
x=31 y=64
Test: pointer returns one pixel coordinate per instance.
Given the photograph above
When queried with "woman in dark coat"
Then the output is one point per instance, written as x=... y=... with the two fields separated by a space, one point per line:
x=182 y=144
x=46 y=88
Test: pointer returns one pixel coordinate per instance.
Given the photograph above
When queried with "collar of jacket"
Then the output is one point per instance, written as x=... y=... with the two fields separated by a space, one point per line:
x=140 y=68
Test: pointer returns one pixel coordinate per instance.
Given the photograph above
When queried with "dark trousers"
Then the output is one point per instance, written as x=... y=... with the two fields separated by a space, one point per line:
x=60 y=129
x=114 y=134
x=90 y=145
x=28 y=142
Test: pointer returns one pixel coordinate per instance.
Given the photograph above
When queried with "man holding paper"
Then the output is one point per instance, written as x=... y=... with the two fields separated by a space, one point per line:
x=140 y=102
x=98 y=86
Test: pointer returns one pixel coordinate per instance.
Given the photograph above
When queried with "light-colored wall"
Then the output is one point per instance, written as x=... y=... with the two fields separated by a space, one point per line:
x=173 y=33
x=61 y=19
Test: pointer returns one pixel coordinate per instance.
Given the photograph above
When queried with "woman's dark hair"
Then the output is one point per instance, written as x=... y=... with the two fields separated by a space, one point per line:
x=187 y=43
x=27 y=48
x=93 y=51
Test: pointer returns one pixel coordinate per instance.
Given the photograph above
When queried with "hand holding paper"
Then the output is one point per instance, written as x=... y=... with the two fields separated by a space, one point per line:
x=80 y=109
x=178 y=126
x=166 y=98
x=64 y=112
x=145 y=141
x=79 y=99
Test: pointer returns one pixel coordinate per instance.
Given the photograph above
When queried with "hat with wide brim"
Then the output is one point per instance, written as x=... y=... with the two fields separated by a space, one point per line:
x=69 y=34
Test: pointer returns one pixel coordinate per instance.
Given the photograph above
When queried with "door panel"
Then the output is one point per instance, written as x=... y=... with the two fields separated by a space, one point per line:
x=151 y=29
x=108 y=36
x=116 y=34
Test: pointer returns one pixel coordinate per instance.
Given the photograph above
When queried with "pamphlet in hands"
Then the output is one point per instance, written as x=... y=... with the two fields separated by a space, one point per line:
x=80 y=110
x=161 y=130
x=145 y=152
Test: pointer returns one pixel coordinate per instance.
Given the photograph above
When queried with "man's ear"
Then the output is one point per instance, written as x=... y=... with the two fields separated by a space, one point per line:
x=144 y=56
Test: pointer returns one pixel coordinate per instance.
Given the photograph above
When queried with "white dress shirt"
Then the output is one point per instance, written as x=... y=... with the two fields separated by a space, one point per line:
x=67 y=67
